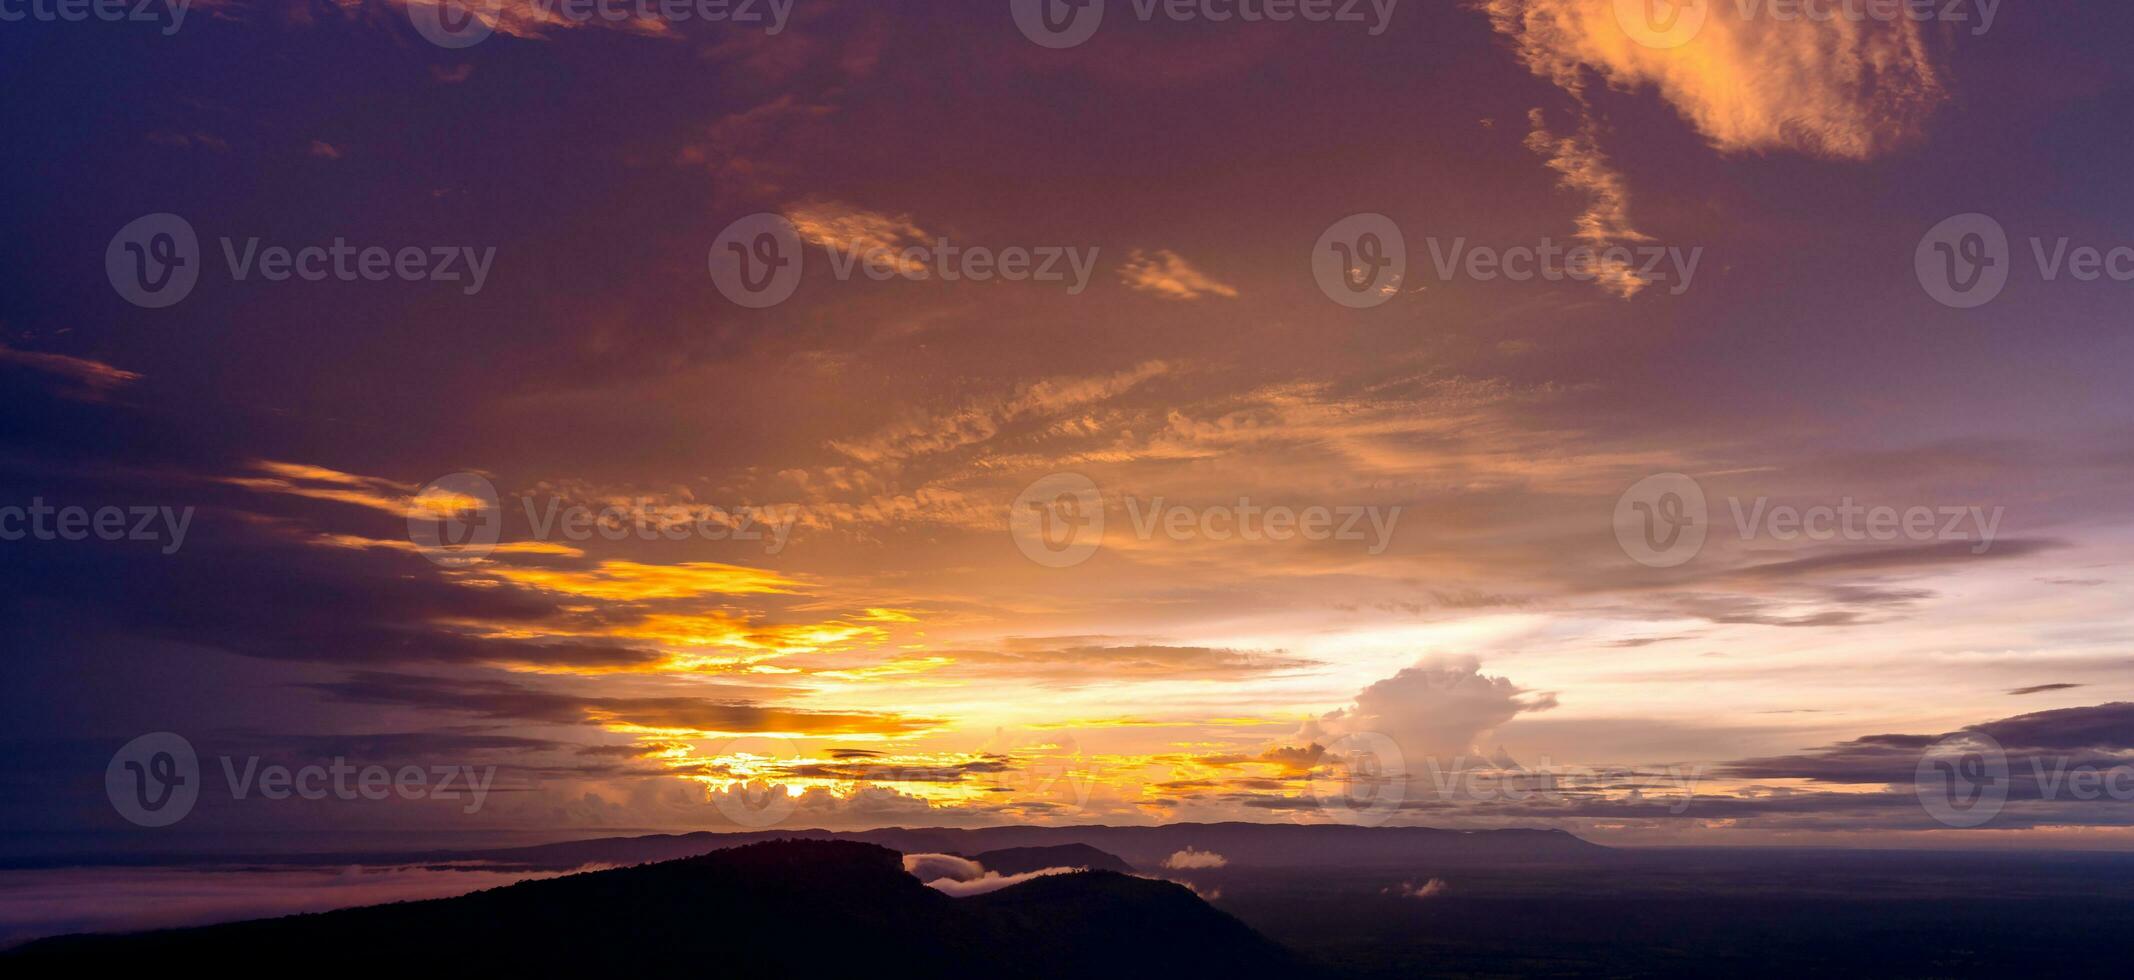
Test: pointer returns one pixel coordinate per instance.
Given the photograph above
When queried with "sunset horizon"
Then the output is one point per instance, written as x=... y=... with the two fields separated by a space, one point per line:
x=434 y=428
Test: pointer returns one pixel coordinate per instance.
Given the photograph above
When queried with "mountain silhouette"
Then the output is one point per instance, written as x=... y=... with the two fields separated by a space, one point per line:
x=783 y=908
x=1241 y=844
x=1017 y=860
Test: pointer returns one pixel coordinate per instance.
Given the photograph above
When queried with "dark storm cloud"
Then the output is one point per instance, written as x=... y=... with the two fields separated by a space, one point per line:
x=1755 y=611
x=70 y=377
x=505 y=700
x=2042 y=688
x=1646 y=641
x=242 y=586
x=891 y=772
x=1849 y=604
x=392 y=745
x=2060 y=767
x=1909 y=558
x=619 y=751
x=2102 y=726
x=278 y=576
x=1069 y=663
x=2037 y=746
x=521 y=759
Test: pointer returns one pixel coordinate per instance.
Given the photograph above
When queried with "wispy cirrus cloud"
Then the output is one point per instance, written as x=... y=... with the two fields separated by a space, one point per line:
x=1606 y=221
x=1169 y=275
x=980 y=419
x=322 y=483
x=1066 y=663
x=82 y=377
x=845 y=228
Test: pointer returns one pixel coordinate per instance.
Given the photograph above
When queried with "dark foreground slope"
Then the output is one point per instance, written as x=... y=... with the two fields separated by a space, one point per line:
x=1254 y=845
x=789 y=908
x=1696 y=913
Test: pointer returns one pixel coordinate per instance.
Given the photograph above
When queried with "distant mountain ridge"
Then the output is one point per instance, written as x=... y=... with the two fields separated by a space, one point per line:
x=1240 y=844
x=782 y=908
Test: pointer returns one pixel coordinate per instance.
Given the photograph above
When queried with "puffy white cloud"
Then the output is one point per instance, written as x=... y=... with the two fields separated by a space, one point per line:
x=936 y=867
x=1434 y=710
x=1190 y=859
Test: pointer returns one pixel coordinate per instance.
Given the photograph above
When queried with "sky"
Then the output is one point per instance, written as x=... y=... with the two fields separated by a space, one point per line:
x=1199 y=419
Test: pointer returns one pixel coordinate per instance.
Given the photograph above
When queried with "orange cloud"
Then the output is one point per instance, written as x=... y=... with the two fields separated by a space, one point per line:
x=629 y=581
x=1169 y=275
x=868 y=234
x=1606 y=220
x=320 y=483
x=1835 y=87
x=93 y=378
x=979 y=420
